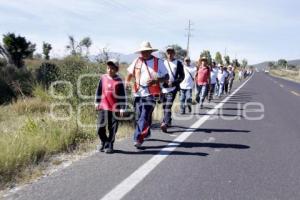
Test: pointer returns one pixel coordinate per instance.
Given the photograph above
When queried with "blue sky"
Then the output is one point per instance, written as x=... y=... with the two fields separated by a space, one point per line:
x=257 y=30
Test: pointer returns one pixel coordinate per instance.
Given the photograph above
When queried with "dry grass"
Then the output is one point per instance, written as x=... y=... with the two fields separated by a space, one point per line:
x=29 y=136
x=286 y=74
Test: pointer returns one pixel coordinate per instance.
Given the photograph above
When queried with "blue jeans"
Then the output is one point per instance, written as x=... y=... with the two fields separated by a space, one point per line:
x=144 y=107
x=201 y=93
x=211 y=91
x=185 y=99
x=167 y=102
x=221 y=88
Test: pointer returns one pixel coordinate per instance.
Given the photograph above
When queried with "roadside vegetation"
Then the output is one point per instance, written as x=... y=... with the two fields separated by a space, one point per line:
x=283 y=69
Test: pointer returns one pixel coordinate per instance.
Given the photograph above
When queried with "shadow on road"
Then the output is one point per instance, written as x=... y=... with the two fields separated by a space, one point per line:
x=144 y=151
x=198 y=144
x=180 y=129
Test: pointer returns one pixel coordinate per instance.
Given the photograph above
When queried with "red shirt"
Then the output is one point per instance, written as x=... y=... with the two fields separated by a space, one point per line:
x=203 y=76
x=109 y=97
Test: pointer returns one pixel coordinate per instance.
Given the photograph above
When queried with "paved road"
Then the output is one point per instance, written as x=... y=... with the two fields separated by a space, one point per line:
x=290 y=86
x=227 y=157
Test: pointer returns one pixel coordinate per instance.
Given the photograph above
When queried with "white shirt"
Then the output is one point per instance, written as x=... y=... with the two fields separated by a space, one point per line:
x=170 y=66
x=222 y=76
x=230 y=75
x=214 y=75
x=189 y=75
x=144 y=77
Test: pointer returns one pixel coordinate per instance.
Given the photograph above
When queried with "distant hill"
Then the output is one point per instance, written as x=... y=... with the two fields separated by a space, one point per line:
x=264 y=65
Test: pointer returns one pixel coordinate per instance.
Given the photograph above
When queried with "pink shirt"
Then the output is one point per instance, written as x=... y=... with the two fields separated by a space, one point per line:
x=203 y=76
x=108 y=97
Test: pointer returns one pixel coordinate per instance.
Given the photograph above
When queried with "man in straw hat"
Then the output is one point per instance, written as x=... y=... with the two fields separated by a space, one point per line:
x=169 y=90
x=202 y=80
x=148 y=72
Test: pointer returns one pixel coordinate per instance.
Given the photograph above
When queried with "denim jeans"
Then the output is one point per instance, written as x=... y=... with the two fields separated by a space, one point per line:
x=144 y=107
x=221 y=88
x=185 y=99
x=201 y=93
x=167 y=103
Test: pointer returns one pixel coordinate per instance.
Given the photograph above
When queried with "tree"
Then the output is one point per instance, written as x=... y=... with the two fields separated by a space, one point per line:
x=271 y=65
x=218 y=58
x=244 y=63
x=103 y=56
x=73 y=46
x=282 y=63
x=227 y=60
x=206 y=53
x=236 y=63
x=16 y=49
x=86 y=43
x=46 y=50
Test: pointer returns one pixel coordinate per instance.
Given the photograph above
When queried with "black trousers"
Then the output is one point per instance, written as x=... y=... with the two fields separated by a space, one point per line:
x=107 y=119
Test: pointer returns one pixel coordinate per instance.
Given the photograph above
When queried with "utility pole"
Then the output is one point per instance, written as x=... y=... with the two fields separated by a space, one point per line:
x=188 y=36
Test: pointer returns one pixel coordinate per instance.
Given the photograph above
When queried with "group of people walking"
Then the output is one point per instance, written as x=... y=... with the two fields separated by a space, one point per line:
x=151 y=80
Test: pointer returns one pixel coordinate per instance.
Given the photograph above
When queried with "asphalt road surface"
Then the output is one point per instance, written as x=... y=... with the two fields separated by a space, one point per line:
x=247 y=147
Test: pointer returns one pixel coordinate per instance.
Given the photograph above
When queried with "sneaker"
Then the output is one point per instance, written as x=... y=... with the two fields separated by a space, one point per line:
x=110 y=148
x=163 y=127
x=182 y=112
x=201 y=106
x=138 y=145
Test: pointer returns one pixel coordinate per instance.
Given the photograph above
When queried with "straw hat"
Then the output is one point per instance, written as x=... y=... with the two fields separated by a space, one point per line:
x=145 y=46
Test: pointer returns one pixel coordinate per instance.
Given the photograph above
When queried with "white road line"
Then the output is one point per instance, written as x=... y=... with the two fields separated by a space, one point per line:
x=295 y=93
x=137 y=176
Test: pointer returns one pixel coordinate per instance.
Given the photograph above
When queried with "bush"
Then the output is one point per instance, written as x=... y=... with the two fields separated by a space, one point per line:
x=15 y=82
x=47 y=73
x=3 y=62
x=72 y=68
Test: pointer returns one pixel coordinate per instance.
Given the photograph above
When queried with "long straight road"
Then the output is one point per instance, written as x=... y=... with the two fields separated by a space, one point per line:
x=246 y=148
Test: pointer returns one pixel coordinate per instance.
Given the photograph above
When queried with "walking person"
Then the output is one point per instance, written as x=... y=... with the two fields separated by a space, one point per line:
x=148 y=72
x=231 y=75
x=221 y=80
x=241 y=74
x=202 y=80
x=187 y=85
x=226 y=80
x=110 y=103
x=213 y=80
x=169 y=90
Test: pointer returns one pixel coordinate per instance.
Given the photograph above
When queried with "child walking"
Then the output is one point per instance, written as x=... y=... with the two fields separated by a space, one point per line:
x=110 y=103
